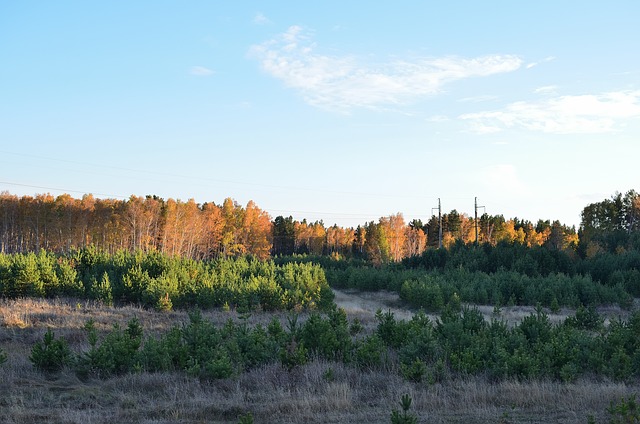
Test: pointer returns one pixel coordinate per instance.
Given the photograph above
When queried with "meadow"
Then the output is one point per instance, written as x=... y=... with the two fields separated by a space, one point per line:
x=320 y=390
x=145 y=337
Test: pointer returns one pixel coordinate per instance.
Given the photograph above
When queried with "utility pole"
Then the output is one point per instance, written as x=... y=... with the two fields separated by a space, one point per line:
x=439 y=223
x=476 y=207
x=634 y=200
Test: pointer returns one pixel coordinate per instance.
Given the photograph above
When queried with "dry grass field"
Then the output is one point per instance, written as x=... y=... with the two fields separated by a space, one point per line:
x=319 y=392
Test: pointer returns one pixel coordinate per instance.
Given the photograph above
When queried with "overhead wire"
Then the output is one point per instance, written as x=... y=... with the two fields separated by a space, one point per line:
x=63 y=190
x=344 y=215
x=216 y=180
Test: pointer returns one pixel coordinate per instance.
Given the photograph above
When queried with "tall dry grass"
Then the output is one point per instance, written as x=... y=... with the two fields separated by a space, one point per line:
x=320 y=392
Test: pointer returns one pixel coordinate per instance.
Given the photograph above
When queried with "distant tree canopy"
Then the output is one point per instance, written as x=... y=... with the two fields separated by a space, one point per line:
x=611 y=225
x=203 y=231
x=148 y=223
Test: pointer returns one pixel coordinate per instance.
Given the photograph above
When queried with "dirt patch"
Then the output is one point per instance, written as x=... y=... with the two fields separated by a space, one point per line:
x=365 y=304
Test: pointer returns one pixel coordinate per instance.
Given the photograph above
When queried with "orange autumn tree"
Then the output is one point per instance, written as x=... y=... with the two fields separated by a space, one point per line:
x=173 y=227
x=183 y=228
x=188 y=229
x=340 y=240
x=245 y=231
x=232 y=216
x=142 y=216
x=415 y=238
x=310 y=238
x=394 y=230
x=255 y=233
x=212 y=226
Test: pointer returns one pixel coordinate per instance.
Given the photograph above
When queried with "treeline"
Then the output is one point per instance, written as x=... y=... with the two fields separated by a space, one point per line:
x=612 y=225
x=205 y=231
x=508 y=273
x=172 y=227
x=458 y=344
x=436 y=291
x=162 y=282
x=391 y=239
x=441 y=278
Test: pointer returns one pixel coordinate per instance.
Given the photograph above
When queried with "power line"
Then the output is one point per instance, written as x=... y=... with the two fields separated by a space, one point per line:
x=334 y=214
x=215 y=180
x=62 y=189
x=476 y=207
x=285 y=211
x=439 y=223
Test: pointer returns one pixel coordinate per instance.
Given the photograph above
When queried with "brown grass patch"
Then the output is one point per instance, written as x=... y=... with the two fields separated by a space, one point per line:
x=271 y=393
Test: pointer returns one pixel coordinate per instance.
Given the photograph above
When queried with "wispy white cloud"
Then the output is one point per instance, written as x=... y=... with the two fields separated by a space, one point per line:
x=546 y=59
x=346 y=82
x=582 y=114
x=260 y=19
x=200 y=71
x=438 y=118
x=478 y=99
x=547 y=89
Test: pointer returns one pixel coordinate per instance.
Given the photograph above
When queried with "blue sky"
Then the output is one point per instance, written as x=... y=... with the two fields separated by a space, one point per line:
x=340 y=111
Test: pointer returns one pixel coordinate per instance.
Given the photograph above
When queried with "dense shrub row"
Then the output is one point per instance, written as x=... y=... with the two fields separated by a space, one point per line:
x=459 y=343
x=612 y=269
x=505 y=274
x=200 y=348
x=532 y=261
x=500 y=275
x=368 y=278
x=160 y=281
x=463 y=342
x=433 y=291
x=608 y=268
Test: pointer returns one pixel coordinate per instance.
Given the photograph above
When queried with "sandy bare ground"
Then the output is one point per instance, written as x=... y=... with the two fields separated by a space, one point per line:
x=363 y=305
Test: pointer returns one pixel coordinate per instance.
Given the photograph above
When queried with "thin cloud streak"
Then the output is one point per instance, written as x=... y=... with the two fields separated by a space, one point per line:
x=547 y=89
x=438 y=118
x=534 y=64
x=260 y=19
x=580 y=114
x=343 y=83
x=478 y=99
x=200 y=71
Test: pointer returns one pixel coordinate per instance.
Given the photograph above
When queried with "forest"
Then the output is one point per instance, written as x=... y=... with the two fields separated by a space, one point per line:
x=205 y=231
x=170 y=253
x=268 y=284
